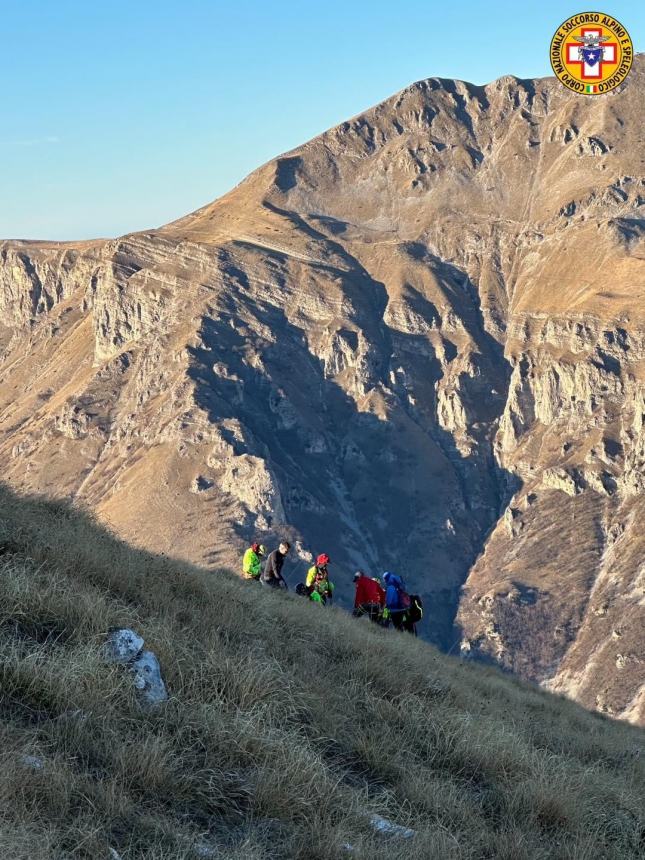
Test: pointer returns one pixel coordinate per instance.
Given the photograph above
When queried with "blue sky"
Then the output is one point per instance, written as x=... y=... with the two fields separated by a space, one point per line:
x=119 y=116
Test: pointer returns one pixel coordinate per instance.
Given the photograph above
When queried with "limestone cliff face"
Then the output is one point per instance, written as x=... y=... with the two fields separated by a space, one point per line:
x=417 y=342
x=563 y=568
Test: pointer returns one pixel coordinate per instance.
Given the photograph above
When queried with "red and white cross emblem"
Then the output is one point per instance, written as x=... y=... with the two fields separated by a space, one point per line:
x=609 y=55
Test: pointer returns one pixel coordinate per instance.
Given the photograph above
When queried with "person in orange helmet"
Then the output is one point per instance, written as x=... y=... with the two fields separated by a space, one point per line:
x=318 y=586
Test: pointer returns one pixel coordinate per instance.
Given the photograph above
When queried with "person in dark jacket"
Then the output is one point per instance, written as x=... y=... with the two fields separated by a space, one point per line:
x=395 y=601
x=370 y=597
x=272 y=573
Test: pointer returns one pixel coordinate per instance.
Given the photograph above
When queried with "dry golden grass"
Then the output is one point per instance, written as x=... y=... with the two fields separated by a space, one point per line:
x=287 y=724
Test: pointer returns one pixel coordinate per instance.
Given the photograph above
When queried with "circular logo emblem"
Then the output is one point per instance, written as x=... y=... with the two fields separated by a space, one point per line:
x=591 y=53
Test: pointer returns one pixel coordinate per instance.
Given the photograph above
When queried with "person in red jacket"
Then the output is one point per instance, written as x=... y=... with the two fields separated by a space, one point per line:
x=370 y=597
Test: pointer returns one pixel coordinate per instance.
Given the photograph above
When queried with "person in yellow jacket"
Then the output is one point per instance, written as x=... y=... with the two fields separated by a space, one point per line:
x=251 y=563
x=317 y=583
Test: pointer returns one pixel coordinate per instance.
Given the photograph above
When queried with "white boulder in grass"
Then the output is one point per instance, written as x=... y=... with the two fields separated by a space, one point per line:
x=147 y=678
x=126 y=647
x=33 y=762
x=385 y=828
x=123 y=645
x=206 y=851
x=388 y=828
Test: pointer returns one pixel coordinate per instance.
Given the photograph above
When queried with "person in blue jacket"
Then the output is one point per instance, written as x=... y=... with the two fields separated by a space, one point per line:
x=397 y=601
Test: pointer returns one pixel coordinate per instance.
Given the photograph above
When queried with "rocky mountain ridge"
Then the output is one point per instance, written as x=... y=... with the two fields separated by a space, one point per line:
x=417 y=342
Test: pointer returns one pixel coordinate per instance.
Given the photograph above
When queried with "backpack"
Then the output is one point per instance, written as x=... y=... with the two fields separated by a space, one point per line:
x=302 y=589
x=415 y=611
x=404 y=598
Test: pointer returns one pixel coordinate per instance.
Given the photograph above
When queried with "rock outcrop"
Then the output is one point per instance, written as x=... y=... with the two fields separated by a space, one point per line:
x=416 y=342
x=125 y=647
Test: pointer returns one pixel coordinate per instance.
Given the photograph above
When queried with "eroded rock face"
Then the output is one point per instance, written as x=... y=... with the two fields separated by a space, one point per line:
x=567 y=556
x=415 y=343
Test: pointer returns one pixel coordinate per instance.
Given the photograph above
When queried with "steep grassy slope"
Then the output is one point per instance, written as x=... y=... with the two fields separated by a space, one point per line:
x=287 y=725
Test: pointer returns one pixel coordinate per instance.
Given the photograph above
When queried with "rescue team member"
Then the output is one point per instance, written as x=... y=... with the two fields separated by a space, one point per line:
x=272 y=573
x=370 y=597
x=251 y=563
x=397 y=602
x=317 y=584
